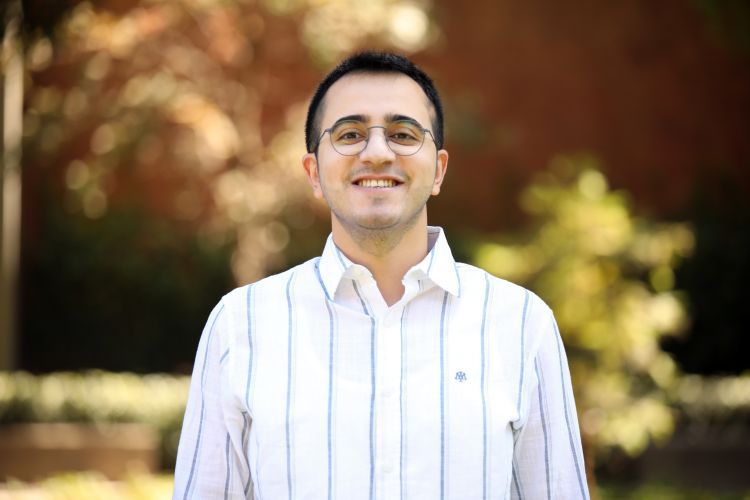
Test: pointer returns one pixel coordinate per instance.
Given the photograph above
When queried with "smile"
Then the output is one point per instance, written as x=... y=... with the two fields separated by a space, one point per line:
x=376 y=183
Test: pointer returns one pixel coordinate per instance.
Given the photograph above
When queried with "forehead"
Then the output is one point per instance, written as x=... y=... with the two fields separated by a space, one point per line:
x=375 y=96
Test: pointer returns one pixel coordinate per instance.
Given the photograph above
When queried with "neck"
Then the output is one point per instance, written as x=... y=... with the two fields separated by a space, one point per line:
x=386 y=254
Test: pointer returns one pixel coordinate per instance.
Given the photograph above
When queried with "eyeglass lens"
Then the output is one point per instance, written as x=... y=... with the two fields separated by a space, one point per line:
x=403 y=137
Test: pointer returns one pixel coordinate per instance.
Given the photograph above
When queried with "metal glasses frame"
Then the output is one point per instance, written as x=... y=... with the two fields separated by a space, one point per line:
x=367 y=140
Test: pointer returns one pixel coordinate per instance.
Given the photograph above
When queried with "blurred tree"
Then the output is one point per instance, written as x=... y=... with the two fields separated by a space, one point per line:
x=609 y=277
x=11 y=111
x=158 y=138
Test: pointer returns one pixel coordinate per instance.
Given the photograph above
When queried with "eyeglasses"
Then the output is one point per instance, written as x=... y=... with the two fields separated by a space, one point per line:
x=350 y=138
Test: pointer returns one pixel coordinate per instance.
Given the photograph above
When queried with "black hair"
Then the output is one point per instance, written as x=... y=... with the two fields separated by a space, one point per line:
x=372 y=62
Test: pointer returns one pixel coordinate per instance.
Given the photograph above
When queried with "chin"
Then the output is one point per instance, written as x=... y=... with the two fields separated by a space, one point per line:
x=377 y=224
x=373 y=221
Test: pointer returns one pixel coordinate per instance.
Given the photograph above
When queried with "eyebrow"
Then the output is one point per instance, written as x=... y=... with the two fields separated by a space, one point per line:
x=389 y=118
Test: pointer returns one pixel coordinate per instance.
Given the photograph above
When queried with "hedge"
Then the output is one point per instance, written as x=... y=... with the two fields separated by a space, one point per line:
x=96 y=396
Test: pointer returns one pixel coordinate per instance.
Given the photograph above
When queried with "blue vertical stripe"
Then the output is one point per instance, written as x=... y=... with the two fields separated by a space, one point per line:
x=372 y=391
x=245 y=437
x=330 y=400
x=250 y=307
x=458 y=279
x=432 y=258
x=523 y=351
x=229 y=469
x=250 y=353
x=442 y=397
x=372 y=407
x=320 y=280
x=540 y=391
x=565 y=407
x=402 y=396
x=256 y=486
x=484 y=387
x=202 y=414
x=361 y=300
x=341 y=259
x=289 y=388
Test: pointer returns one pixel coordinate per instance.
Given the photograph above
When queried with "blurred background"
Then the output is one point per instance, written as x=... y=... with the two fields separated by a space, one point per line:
x=600 y=155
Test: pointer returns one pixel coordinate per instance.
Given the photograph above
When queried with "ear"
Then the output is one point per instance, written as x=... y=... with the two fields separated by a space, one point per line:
x=310 y=164
x=441 y=167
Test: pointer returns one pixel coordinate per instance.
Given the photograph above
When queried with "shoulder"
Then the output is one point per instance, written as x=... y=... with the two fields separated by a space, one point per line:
x=272 y=288
x=502 y=291
x=267 y=297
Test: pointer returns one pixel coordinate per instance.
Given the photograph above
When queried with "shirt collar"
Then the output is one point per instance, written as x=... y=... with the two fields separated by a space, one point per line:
x=438 y=266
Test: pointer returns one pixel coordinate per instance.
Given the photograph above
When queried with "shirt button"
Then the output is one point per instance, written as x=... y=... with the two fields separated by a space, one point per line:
x=388 y=468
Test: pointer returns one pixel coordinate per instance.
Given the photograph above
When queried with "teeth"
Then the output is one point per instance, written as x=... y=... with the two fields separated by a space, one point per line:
x=377 y=183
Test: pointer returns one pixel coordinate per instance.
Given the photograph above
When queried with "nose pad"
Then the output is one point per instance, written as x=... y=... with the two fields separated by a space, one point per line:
x=380 y=147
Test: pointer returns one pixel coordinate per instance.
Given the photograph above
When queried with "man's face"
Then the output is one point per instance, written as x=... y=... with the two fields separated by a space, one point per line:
x=346 y=182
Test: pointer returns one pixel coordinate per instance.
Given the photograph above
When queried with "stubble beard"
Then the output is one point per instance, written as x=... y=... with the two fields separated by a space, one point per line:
x=379 y=240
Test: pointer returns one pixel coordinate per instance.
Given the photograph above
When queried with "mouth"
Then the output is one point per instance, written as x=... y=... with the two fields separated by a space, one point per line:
x=377 y=183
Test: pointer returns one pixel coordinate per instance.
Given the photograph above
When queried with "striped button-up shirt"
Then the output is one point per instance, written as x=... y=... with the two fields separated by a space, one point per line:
x=307 y=385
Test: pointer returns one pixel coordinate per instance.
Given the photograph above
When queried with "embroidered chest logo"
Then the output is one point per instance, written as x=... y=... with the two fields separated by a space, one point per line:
x=460 y=376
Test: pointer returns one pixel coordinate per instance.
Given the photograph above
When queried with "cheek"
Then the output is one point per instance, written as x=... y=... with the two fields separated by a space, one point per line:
x=333 y=172
x=329 y=180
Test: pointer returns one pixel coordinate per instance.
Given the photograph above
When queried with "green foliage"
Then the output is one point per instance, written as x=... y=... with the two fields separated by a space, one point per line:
x=98 y=397
x=609 y=277
x=123 y=292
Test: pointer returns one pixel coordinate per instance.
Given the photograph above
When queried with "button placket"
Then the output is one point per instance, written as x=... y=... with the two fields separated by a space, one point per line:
x=389 y=428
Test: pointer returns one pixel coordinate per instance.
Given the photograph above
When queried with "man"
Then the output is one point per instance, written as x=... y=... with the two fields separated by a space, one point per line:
x=382 y=369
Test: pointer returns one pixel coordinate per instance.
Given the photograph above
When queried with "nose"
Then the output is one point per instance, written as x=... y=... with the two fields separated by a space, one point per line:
x=377 y=149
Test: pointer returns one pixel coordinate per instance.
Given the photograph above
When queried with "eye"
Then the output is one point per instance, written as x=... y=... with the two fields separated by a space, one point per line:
x=348 y=133
x=405 y=133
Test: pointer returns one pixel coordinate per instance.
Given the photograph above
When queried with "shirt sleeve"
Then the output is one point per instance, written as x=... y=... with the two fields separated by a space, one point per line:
x=211 y=457
x=548 y=458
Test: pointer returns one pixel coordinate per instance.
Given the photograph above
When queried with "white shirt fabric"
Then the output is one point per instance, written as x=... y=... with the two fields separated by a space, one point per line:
x=308 y=386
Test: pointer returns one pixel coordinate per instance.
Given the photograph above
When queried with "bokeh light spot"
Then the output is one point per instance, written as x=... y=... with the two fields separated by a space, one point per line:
x=408 y=25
